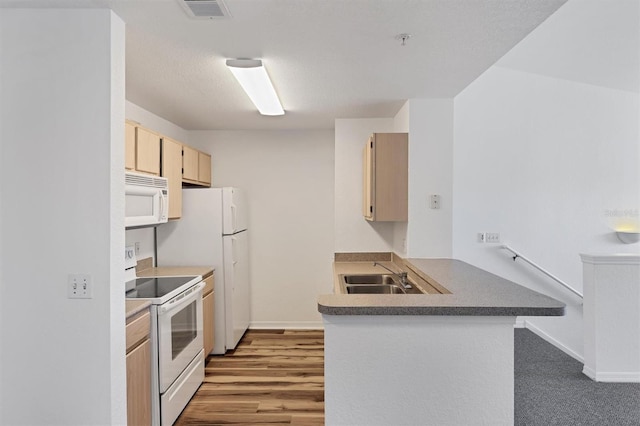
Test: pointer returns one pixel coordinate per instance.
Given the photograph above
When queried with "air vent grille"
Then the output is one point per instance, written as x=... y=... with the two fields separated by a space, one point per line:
x=205 y=9
x=145 y=180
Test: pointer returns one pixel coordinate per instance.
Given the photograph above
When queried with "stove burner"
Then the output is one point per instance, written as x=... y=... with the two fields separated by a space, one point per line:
x=156 y=287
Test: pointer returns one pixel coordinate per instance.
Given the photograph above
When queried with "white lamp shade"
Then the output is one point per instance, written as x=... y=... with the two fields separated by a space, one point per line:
x=253 y=77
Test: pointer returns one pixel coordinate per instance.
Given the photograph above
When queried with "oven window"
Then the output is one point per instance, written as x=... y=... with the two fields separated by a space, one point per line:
x=183 y=329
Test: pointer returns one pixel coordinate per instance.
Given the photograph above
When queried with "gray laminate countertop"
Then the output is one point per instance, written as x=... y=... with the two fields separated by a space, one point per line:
x=474 y=292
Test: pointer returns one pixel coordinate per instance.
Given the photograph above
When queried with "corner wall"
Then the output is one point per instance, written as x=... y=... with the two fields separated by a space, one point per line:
x=352 y=232
x=62 y=212
x=541 y=161
x=288 y=176
x=430 y=173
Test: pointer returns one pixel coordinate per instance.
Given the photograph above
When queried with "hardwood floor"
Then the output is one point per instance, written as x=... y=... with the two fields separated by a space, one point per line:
x=274 y=377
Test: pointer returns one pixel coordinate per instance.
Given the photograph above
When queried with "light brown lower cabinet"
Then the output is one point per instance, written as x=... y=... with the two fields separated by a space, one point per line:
x=208 y=326
x=138 y=370
x=139 y=385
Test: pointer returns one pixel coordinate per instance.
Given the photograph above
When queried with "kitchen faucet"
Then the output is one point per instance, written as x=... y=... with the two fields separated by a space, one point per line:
x=402 y=275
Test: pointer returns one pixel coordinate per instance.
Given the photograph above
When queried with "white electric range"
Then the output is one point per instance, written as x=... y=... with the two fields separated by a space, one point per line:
x=177 y=354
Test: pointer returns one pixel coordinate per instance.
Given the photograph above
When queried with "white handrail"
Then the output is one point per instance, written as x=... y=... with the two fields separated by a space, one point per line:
x=550 y=275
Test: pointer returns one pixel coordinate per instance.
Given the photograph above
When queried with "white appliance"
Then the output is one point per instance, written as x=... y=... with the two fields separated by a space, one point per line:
x=146 y=200
x=177 y=356
x=213 y=231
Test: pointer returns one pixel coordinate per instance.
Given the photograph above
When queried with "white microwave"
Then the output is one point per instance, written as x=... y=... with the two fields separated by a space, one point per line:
x=146 y=200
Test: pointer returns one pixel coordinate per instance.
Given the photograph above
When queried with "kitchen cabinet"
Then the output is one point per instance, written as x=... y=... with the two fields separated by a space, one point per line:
x=189 y=164
x=172 y=170
x=204 y=168
x=196 y=166
x=142 y=149
x=138 y=362
x=130 y=146
x=386 y=177
x=208 y=303
x=147 y=151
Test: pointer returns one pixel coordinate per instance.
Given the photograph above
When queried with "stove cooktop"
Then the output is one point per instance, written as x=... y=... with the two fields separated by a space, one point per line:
x=159 y=288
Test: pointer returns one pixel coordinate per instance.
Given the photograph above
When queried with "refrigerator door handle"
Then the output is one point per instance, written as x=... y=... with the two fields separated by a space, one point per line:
x=233 y=250
x=233 y=218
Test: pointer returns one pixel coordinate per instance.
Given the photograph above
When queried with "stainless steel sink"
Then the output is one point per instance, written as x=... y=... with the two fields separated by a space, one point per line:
x=375 y=284
x=368 y=279
x=374 y=289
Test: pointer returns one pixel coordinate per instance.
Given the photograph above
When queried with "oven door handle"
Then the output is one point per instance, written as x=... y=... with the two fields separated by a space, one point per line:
x=183 y=299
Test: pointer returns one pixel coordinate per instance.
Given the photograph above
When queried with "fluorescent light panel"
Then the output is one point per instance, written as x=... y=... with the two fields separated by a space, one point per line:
x=253 y=78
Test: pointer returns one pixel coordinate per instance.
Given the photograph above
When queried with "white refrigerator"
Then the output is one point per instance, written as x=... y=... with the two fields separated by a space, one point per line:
x=213 y=232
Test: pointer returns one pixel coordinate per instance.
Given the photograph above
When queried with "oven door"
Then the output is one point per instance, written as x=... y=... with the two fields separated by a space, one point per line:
x=179 y=334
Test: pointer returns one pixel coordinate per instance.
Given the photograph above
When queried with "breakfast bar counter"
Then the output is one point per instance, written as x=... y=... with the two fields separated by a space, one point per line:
x=471 y=291
x=444 y=357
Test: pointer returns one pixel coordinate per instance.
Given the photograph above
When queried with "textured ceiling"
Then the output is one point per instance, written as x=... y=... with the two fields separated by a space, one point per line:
x=327 y=58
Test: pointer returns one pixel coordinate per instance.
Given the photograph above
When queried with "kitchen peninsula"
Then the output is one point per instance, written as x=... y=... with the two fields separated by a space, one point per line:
x=444 y=357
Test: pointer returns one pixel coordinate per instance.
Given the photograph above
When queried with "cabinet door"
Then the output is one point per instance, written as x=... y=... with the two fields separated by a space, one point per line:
x=189 y=164
x=385 y=171
x=172 y=170
x=367 y=180
x=204 y=168
x=208 y=303
x=391 y=171
x=139 y=385
x=147 y=151
x=130 y=146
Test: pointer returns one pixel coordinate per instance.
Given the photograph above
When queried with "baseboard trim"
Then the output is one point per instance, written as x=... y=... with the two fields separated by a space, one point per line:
x=609 y=377
x=553 y=341
x=520 y=323
x=287 y=325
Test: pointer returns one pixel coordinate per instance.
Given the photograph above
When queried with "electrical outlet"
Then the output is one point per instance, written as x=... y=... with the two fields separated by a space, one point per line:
x=481 y=237
x=79 y=286
x=492 y=237
x=435 y=201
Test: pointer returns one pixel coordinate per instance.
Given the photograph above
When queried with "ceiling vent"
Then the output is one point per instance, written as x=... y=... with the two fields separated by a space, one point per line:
x=205 y=9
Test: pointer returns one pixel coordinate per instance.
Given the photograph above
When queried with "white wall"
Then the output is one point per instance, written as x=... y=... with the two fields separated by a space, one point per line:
x=541 y=160
x=352 y=232
x=429 y=231
x=288 y=176
x=62 y=108
x=429 y=123
x=145 y=236
x=401 y=125
x=154 y=122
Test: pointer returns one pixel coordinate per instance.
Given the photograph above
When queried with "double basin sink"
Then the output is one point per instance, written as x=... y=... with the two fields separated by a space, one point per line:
x=376 y=284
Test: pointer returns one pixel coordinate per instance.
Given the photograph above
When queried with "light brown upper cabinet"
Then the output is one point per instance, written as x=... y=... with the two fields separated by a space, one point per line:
x=189 y=164
x=172 y=170
x=386 y=176
x=142 y=149
x=196 y=166
x=147 y=151
x=204 y=168
x=130 y=146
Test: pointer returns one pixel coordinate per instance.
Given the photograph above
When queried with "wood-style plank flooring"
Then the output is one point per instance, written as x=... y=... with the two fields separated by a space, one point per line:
x=274 y=377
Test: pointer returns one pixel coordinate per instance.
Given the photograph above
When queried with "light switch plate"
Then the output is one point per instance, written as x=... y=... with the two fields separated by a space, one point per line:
x=79 y=286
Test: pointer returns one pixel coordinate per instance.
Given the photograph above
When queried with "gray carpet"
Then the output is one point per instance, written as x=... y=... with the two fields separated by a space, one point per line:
x=550 y=389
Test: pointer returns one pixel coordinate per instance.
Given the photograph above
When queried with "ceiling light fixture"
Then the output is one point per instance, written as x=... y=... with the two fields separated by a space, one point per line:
x=253 y=77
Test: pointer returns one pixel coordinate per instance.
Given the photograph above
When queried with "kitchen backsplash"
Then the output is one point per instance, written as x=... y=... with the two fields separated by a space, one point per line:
x=144 y=238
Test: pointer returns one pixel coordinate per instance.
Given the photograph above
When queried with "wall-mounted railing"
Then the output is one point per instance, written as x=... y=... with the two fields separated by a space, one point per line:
x=517 y=255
